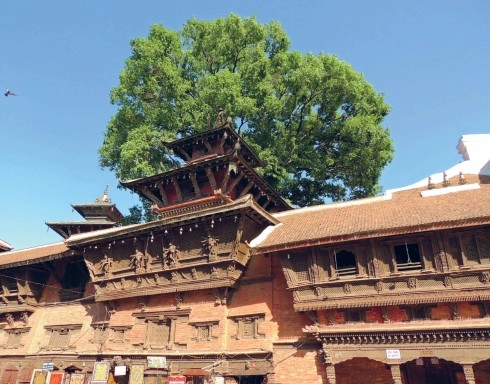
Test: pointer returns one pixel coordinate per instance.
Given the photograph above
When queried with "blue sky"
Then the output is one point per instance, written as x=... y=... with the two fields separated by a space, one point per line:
x=431 y=59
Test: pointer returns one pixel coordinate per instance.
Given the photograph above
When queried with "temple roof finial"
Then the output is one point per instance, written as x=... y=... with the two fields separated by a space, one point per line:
x=105 y=196
x=219 y=118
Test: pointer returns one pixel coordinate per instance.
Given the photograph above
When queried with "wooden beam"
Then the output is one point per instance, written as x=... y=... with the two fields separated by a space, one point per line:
x=212 y=180
x=247 y=188
x=234 y=183
x=225 y=181
x=151 y=196
x=177 y=189
x=208 y=146
x=163 y=194
x=195 y=184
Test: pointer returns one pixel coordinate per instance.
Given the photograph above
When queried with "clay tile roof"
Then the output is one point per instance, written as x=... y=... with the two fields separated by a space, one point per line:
x=34 y=255
x=401 y=212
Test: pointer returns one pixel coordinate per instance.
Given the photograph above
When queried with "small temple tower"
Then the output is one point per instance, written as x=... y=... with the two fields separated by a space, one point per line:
x=100 y=214
x=219 y=167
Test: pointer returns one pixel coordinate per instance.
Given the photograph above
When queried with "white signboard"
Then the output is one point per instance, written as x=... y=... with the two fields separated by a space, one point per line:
x=120 y=370
x=392 y=354
x=156 y=361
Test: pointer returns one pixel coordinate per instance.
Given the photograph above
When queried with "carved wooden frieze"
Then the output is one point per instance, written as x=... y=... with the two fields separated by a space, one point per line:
x=195 y=256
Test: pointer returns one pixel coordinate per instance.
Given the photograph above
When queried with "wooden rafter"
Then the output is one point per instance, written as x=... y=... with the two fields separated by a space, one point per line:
x=149 y=194
x=212 y=180
x=163 y=193
x=195 y=184
x=177 y=189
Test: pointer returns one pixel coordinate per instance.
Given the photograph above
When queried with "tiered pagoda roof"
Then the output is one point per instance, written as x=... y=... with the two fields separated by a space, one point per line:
x=100 y=214
x=218 y=167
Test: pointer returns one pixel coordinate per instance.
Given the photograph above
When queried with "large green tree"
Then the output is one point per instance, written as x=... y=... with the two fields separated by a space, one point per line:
x=314 y=119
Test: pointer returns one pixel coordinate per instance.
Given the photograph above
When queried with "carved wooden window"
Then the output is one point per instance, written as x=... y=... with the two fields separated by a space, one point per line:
x=407 y=257
x=355 y=315
x=100 y=333
x=475 y=249
x=419 y=312
x=345 y=263
x=161 y=327
x=59 y=336
x=73 y=284
x=118 y=334
x=248 y=326
x=299 y=264
x=14 y=337
x=158 y=333
x=204 y=331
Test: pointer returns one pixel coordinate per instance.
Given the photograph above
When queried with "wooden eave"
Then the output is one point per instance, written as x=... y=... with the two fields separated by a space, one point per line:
x=378 y=233
x=189 y=141
x=99 y=210
x=66 y=229
x=246 y=203
x=35 y=255
x=383 y=300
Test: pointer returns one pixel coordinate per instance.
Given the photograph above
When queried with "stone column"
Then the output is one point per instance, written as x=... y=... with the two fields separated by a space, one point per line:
x=469 y=374
x=330 y=368
x=396 y=374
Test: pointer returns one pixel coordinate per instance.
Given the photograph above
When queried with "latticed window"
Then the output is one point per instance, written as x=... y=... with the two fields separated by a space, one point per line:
x=59 y=338
x=248 y=326
x=248 y=330
x=100 y=334
x=484 y=248
x=471 y=250
x=299 y=263
x=203 y=333
x=14 y=338
x=158 y=333
x=118 y=335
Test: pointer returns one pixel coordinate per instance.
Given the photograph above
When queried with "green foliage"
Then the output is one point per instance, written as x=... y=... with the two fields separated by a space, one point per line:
x=314 y=119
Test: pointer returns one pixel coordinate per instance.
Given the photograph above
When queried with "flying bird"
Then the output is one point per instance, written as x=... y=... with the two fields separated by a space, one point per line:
x=9 y=93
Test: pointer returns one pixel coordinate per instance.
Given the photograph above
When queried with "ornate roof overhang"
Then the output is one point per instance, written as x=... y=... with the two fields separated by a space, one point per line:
x=98 y=210
x=66 y=229
x=150 y=187
x=246 y=203
x=186 y=143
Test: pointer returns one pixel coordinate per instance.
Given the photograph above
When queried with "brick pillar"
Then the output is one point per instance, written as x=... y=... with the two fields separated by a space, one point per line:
x=469 y=374
x=330 y=368
x=396 y=374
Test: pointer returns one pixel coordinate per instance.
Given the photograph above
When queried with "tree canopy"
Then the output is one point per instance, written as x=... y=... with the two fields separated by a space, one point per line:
x=312 y=118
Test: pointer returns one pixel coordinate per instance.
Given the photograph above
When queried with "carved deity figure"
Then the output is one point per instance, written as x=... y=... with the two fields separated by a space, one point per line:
x=106 y=264
x=137 y=260
x=91 y=268
x=210 y=247
x=10 y=319
x=170 y=256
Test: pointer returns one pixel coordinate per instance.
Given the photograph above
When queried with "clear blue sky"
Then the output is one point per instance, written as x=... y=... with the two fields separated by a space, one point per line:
x=431 y=59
